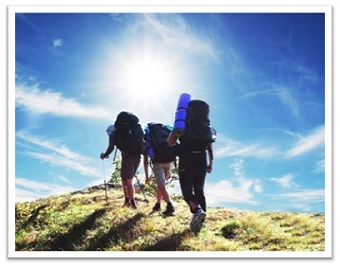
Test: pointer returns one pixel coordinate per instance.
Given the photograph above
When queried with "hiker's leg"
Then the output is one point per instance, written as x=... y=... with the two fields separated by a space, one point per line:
x=159 y=195
x=160 y=171
x=125 y=191
x=199 y=179
x=130 y=188
x=129 y=167
x=126 y=194
x=186 y=181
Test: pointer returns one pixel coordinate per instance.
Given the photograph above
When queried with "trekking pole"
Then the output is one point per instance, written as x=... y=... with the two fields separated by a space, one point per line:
x=113 y=161
x=172 y=177
x=105 y=181
x=114 y=157
x=141 y=189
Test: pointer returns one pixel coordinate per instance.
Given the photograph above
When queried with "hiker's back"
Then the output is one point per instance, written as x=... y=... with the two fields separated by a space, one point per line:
x=198 y=132
x=129 y=133
x=156 y=138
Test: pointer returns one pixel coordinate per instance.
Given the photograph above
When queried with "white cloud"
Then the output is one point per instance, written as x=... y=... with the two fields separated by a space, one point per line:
x=303 y=196
x=319 y=166
x=55 y=153
x=175 y=31
x=280 y=92
x=64 y=179
x=229 y=148
x=226 y=192
x=57 y=42
x=285 y=181
x=69 y=163
x=49 y=144
x=23 y=195
x=35 y=100
x=238 y=189
x=35 y=190
x=311 y=142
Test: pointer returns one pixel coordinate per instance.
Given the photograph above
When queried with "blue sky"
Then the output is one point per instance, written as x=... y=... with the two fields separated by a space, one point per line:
x=263 y=75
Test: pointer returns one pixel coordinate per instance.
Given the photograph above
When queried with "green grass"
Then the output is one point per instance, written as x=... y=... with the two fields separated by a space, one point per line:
x=86 y=221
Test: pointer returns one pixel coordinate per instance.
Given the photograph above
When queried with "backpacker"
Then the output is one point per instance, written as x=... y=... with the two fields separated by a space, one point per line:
x=198 y=132
x=129 y=133
x=156 y=137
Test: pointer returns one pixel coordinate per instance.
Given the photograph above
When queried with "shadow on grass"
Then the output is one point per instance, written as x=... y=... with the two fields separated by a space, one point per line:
x=74 y=236
x=124 y=232
x=34 y=215
x=66 y=241
x=171 y=243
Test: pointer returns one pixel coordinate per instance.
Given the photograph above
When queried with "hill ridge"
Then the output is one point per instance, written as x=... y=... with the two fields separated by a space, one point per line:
x=85 y=220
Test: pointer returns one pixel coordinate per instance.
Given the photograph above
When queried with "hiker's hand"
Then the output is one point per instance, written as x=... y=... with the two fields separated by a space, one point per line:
x=102 y=155
x=209 y=168
x=147 y=181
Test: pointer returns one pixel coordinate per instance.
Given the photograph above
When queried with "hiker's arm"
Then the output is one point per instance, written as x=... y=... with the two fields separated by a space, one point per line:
x=211 y=158
x=172 y=139
x=109 y=148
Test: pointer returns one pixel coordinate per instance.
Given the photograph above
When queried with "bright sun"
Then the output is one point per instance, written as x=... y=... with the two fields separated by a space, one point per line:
x=148 y=80
x=147 y=77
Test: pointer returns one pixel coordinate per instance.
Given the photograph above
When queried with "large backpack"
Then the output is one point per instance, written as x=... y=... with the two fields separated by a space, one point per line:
x=156 y=138
x=129 y=133
x=198 y=132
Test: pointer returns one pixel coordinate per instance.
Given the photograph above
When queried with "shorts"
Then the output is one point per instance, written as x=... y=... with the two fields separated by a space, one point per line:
x=161 y=170
x=129 y=166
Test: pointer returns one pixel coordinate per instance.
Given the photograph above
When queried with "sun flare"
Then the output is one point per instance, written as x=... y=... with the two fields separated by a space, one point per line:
x=149 y=81
x=147 y=77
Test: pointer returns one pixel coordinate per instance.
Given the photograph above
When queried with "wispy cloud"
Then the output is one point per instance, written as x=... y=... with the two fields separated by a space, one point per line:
x=28 y=190
x=319 y=166
x=282 y=93
x=57 y=42
x=116 y=16
x=24 y=18
x=226 y=192
x=237 y=189
x=174 y=30
x=228 y=147
x=55 y=154
x=31 y=98
x=303 y=196
x=63 y=179
x=316 y=139
x=285 y=181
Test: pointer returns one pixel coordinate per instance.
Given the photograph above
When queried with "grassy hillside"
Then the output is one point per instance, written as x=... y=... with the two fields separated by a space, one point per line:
x=87 y=221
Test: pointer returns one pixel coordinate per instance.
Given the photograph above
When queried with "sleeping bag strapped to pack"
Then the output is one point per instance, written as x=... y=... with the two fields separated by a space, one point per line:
x=181 y=114
x=198 y=132
x=129 y=133
x=156 y=135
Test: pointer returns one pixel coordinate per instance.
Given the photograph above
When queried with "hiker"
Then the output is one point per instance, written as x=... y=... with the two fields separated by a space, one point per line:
x=127 y=135
x=161 y=156
x=193 y=165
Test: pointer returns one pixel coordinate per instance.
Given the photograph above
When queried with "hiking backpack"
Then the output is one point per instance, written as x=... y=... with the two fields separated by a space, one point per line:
x=129 y=134
x=198 y=132
x=156 y=138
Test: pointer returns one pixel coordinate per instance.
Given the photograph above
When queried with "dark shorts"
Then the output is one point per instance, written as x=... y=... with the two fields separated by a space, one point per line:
x=130 y=164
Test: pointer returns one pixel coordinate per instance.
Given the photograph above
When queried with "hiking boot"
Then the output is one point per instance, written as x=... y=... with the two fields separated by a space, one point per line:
x=169 y=210
x=133 y=205
x=126 y=204
x=197 y=221
x=157 y=207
